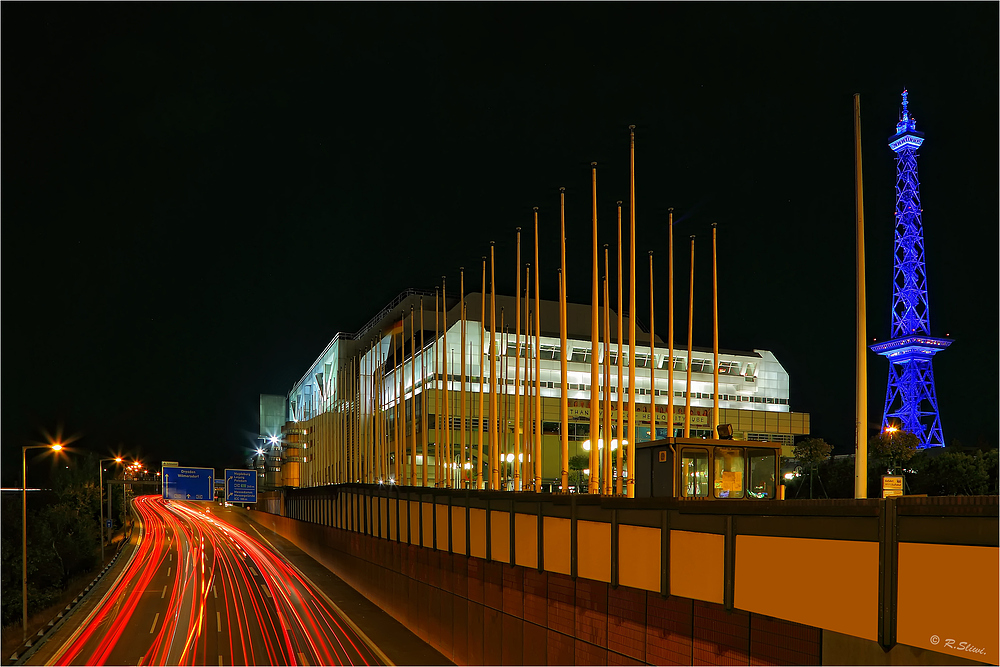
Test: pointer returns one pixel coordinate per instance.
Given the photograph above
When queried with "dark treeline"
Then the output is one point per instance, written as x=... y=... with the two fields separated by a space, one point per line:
x=63 y=537
x=946 y=472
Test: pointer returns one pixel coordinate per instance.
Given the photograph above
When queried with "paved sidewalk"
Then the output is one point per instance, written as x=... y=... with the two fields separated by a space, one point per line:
x=399 y=644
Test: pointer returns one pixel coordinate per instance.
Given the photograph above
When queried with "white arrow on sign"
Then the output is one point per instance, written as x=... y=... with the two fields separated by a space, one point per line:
x=189 y=496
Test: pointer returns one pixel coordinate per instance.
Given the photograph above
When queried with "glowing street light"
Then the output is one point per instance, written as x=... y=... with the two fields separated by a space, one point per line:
x=57 y=446
x=100 y=474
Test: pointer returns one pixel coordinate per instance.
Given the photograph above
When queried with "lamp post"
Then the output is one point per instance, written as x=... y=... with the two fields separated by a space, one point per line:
x=100 y=474
x=24 y=527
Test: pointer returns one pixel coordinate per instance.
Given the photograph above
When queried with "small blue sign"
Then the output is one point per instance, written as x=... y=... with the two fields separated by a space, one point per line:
x=108 y=523
x=188 y=483
x=241 y=486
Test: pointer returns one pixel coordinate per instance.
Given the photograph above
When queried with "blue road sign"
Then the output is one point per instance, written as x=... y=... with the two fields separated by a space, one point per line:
x=188 y=483
x=108 y=523
x=241 y=486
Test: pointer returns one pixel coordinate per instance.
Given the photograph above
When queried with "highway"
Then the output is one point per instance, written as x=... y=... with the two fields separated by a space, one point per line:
x=200 y=591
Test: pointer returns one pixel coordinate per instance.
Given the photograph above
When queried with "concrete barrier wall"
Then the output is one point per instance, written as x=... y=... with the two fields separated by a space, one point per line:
x=482 y=612
x=857 y=568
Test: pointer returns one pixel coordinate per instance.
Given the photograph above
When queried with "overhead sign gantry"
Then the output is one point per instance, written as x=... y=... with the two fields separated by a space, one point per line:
x=188 y=483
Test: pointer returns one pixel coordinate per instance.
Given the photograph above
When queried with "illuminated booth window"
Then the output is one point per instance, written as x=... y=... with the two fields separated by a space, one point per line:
x=762 y=466
x=694 y=468
x=729 y=468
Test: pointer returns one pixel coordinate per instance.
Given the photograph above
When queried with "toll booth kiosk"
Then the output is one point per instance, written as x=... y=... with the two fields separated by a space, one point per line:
x=705 y=468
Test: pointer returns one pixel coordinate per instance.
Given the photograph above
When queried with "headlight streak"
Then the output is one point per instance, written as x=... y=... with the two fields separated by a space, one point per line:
x=271 y=614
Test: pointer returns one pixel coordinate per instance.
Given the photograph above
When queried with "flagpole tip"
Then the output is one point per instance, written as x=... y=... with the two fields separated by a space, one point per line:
x=714 y=225
x=650 y=253
x=619 y=203
x=671 y=209
x=518 y=229
x=562 y=189
x=593 y=164
x=534 y=208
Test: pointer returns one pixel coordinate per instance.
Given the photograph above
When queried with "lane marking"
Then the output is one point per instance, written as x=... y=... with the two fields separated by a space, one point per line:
x=140 y=661
x=164 y=593
x=168 y=571
x=218 y=620
x=170 y=557
x=215 y=592
x=155 y=619
x=302 y=659
x=220 y=660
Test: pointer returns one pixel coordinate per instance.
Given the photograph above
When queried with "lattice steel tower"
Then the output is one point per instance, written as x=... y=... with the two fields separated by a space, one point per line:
x=910 y=398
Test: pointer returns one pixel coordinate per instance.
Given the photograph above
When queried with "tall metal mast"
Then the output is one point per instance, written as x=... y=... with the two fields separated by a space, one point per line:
x=910 y=399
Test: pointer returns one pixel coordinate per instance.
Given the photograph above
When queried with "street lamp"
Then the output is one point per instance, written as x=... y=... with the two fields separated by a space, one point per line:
x=24 y=526
x=100 y=473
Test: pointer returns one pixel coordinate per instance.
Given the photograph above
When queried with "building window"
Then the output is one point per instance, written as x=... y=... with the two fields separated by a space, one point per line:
x=761 y=473
x=694 y=471
x=729 y=467
x=580 y=355
x=729 y=368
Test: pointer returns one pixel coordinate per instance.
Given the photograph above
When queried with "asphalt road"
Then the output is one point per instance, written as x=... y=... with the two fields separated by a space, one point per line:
x=197 y=590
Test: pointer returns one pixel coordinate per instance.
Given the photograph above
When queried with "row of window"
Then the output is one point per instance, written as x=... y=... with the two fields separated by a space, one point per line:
x=583 y=355
x=728 y=478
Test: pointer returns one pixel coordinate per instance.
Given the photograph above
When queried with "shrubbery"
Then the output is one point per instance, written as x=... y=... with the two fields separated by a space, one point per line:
x=63 y=539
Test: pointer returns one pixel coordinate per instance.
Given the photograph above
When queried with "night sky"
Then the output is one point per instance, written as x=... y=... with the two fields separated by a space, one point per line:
x=197 y=197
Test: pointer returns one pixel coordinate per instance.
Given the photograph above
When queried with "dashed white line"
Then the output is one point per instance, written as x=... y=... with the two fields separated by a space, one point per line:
x=302 y=659
x=155 y=619
x=220 y=660
x=168 y=571
x=218 y=620
x=164 y=593
x=215 y=592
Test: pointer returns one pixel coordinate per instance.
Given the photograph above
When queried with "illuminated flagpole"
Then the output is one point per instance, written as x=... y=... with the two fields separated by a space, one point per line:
x=461 y=301
x=413 y=401
x=482 y=381
x=401 y=407
x=670 y=323
x=620 y=431
x=652 y=355
x=563 y=349
x=526 y=424
x=526 y=430
x=687 y=391
x=494 y=440
x=595 y=378
x=504 y=401
x=537 y=457
x=378 y=422
x=861 y=361
x=606 y=481
x=517 y=368
x=446 y=459
x=437 y=390
x=423 y=399
x=394 y=470
x=715 y=340
x=631 y=318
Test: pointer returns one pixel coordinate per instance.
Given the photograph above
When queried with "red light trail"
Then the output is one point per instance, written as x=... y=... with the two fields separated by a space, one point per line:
x=199 y=591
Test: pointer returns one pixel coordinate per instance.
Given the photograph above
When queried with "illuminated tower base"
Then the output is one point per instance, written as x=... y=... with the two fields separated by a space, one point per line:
x=910 y=398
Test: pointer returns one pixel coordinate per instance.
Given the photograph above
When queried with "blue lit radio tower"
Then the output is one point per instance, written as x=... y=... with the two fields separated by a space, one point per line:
x=910 y=399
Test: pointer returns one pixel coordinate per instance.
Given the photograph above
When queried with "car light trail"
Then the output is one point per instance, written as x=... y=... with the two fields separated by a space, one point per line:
x=265 y=612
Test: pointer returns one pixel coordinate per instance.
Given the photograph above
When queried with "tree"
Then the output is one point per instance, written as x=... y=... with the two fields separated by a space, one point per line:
x=892 y=448
x=579 y=463
x=809 y=453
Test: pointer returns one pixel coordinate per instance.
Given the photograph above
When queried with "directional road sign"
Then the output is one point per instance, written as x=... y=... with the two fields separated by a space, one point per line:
x=241 y=486
x=188 y=483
